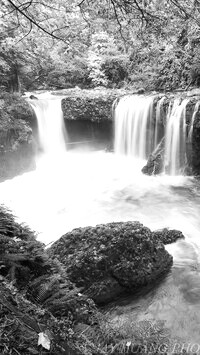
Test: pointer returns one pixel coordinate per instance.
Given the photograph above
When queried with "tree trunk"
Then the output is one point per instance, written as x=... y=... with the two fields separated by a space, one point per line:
x=15 y=85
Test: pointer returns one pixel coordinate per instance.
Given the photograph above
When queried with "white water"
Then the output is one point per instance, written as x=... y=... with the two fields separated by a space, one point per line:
x=137 y=135
x=196 y=108
x=158 y=134
x=133 y=126
x=52 y=133
x=175 y=150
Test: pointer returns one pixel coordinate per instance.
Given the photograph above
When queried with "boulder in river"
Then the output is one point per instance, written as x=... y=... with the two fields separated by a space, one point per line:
x=111 y=259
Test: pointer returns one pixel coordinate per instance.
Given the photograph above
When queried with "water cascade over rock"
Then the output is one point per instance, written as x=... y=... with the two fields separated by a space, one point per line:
x=196 y=108
x=133 y=126
x=52 y=133
x=157 y=128
x=175 y=146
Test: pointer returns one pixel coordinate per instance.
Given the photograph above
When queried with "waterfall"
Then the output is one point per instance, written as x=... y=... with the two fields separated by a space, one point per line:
x=196 y=108
x=139 y=130
x=52 y=133
x=175 y=143
x=133 y=126
x=159 y=128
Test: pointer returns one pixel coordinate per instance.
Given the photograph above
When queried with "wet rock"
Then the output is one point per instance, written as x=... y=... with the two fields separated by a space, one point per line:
x=168 y=236
x=110 y=259
x=155 y=162
x=33 y=97
x=140 y=91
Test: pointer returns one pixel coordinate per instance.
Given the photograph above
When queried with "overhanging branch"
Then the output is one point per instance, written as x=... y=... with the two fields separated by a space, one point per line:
x=33 y=22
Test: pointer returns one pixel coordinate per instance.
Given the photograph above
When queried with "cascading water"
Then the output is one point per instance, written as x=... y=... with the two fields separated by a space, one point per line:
x=52 y=133
x=138 y=133
x=175 y=142
x=133 y=126
x=159 y=128
x=196 y=108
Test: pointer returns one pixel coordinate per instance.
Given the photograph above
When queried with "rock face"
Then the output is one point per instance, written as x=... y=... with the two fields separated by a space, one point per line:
x=17 y=151
x=17 y=147
x=89 y=105
x=108 y=260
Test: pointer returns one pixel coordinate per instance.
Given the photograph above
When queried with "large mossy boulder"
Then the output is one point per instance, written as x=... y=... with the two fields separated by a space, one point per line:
x=110 y=259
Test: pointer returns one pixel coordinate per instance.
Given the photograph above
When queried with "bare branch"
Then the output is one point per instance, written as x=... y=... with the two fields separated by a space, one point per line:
x=30 y=29
x=33 y=22
x=118 y=21
x=81 y=3
x=60 y=28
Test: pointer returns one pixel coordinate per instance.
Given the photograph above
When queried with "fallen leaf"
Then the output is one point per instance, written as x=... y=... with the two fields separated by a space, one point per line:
x=44 y=341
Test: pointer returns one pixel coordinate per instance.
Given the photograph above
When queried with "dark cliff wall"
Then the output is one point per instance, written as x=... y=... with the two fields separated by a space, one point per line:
x=17 y=146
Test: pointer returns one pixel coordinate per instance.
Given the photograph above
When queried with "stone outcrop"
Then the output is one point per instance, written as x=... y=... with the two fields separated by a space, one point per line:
x=108 y=260
x=89 y=105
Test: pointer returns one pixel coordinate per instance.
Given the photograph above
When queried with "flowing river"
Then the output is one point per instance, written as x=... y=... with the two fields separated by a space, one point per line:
x=77 y=188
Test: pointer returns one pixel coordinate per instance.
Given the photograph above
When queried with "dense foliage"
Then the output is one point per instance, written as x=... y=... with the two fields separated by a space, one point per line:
x=148 y=43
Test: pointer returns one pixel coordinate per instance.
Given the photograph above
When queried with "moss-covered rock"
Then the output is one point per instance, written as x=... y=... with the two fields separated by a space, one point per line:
x=89 y=105
x=110 y=259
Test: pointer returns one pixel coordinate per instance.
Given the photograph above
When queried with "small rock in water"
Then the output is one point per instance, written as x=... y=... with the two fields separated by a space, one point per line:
x=141 y=91
x=33 y=97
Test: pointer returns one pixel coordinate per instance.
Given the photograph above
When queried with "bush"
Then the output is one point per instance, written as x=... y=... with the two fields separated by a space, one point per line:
x=115 y=69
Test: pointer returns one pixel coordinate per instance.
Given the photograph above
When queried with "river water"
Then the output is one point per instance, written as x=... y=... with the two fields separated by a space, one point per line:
x=82 y=188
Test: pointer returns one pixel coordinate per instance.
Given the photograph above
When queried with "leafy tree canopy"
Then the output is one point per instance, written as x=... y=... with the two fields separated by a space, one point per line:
x=153 y=43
